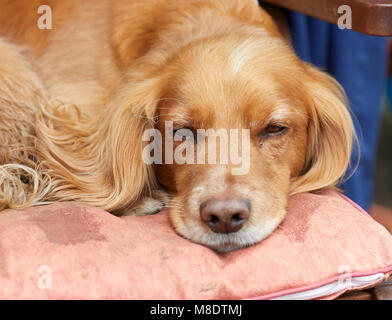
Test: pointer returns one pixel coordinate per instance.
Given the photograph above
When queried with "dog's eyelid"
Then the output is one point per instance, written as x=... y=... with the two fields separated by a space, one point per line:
x=274 y=129
x=278 y=123
x=185 y=124
x=182 y=126
x=185 y=130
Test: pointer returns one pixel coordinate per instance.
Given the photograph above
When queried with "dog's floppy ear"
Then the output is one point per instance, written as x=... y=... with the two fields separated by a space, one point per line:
x=330 y=134
x=134 y=110
x=98 y=159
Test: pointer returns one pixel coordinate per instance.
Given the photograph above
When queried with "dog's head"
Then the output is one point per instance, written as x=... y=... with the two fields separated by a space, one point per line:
x=291 y=129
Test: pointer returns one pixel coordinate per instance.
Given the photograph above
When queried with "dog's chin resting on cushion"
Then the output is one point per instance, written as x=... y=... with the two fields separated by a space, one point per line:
x=75 y=101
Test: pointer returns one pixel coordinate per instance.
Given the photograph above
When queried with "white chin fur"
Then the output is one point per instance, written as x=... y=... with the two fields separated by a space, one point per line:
x=230 y=241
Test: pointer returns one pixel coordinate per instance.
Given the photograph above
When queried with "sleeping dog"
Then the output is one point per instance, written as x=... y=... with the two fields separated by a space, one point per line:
x=77 y=98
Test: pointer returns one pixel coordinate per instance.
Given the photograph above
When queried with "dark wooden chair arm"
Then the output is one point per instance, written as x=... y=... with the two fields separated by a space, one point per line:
x=368 y=16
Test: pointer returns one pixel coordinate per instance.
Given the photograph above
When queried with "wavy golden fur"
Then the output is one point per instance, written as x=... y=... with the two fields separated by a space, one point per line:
x=75 y=101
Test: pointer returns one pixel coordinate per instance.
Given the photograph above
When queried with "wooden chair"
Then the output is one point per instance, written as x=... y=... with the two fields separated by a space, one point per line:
x=368 y=16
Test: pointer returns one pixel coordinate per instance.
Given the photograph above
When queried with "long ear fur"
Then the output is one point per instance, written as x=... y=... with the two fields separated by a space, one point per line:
x=99 y=160
x=23 y=182
x=330 y=134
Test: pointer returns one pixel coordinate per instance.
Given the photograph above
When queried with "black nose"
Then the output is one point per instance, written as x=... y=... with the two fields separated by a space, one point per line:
x=225 y=215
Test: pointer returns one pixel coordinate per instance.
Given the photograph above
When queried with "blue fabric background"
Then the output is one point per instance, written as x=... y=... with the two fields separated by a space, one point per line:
x=359 y=63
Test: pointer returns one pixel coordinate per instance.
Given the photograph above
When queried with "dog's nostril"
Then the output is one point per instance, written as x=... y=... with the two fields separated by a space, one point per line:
x=225 y=215
x=214 y=219
x=236 y=217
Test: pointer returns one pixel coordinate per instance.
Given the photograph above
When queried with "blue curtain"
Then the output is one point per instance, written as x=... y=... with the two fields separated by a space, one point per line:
x=359 y=63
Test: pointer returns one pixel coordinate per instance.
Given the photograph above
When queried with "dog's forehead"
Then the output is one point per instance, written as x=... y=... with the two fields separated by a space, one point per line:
x=235 y=86
x=232 y=102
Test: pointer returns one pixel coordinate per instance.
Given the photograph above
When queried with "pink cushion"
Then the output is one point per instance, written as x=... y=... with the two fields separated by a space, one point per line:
x=73 y=251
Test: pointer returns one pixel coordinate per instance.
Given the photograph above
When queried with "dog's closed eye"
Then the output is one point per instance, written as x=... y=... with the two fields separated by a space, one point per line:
x=177 y=128
x=273 y=130
x=185 y=132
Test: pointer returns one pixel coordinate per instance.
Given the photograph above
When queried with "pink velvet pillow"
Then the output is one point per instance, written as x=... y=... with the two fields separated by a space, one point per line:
x=325 y=246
